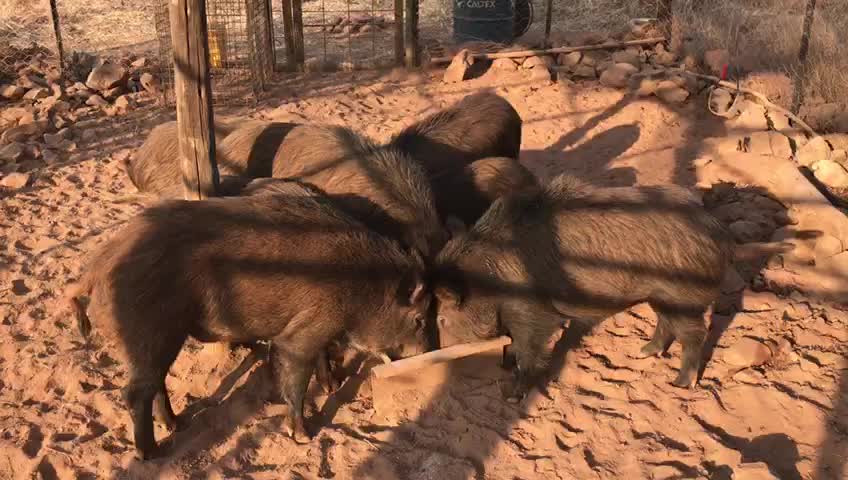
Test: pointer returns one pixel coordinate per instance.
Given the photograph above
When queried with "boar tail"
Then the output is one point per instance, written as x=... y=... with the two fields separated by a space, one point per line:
x=72 y=299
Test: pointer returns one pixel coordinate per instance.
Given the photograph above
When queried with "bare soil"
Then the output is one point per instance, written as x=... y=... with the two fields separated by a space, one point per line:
x=605 y=414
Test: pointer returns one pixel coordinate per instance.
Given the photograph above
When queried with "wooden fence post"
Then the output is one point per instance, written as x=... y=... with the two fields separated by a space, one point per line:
x=399 y=28
x=549 y=15
x=801 y=80
x=193 y=92
x=57 y=30
x=410 y=36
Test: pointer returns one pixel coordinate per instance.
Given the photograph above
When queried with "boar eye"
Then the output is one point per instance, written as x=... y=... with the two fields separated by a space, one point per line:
x=443 y=322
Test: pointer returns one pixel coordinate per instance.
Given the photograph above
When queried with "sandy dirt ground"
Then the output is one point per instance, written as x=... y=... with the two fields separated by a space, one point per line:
x=605 y=414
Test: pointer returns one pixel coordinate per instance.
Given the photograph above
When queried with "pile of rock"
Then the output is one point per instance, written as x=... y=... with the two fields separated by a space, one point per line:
x=39 y=109
x=758 y=130
x=635 y=68
x=355 y=25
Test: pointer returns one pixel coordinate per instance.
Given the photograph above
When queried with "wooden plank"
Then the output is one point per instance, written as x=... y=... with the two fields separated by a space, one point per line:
x=288 y=35
x=399 y=28
x=437 y=356
x=193 y=90
x=410 y=36
x=803 y=50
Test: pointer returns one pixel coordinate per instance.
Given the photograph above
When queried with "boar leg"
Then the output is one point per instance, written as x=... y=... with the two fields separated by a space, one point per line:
x=165 y=412
x=139 y=397
x=690 y=330
x=149 y=358
x=292 y=373
x=530 y=327
x=662 y=339
x=324 y=373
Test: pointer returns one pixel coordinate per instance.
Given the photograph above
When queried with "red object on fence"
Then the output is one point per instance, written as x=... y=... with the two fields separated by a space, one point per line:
x=724 y=69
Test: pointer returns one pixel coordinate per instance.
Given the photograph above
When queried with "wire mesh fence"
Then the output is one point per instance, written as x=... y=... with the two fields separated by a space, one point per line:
x=337 y=34
x=27 y=39
x=241 y=53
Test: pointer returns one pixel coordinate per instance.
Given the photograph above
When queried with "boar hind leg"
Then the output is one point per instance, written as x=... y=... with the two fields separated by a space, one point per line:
x=662 y=339
x=292 y=372
x=689 y=329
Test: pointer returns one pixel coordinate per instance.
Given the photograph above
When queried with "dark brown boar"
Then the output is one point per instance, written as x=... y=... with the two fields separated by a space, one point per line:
x=568 y=251
x=155 y=166
x=466 y=196
x=289 y=267
x=379 y=185
x=478 y=126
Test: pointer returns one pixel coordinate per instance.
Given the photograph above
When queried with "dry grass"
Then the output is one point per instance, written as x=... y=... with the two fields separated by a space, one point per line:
x=765 y=35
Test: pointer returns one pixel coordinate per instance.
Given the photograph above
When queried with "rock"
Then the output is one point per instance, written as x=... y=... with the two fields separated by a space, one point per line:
x=584 y=71
x=840 y=156
x=504 y=64
x=23 y=132
x=50 y=157
x=662 y=56
x=106 y=76
x=124 y=102
x=797 y=311
x=531 y=62
x=720 y=100
x=815 y=150
x=752 y=117
x=746 y=352
x=15 y=181
x=715 y=60
x=569 y=60
x=11 y=153
x=14 y=114
x=627 y=56
x=540 y=73
x=618 y=75
x=747 y=231
x=669 y=92
x=840 y=123
x=831 y=174
x=12 y=92
x=644 y=87
x=54 y=139
x=458 y=68
x=753 y=302
x=753 y=471
x=29 y=82
x=33 y=150
x=36 y=94
x=67 y=146
x=114 y=93
x=822 y=117
x=768 y=143
x=51 y=105
x=96 y=101
x=139 y=63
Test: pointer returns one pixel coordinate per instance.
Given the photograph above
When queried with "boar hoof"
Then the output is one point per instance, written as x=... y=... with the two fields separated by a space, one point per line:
x=685 y=380
x=296 y=431
x=650 y=349
x=148 y=454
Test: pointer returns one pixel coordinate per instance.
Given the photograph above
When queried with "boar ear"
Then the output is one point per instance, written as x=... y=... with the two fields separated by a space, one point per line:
x=417 y=292
x=455 y=226
x=412 y=289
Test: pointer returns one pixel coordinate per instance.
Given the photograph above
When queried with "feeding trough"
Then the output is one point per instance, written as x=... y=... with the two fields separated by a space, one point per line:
x=411 y=382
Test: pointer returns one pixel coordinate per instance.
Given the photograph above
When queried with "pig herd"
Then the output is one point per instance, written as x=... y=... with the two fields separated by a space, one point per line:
x=322 y=238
